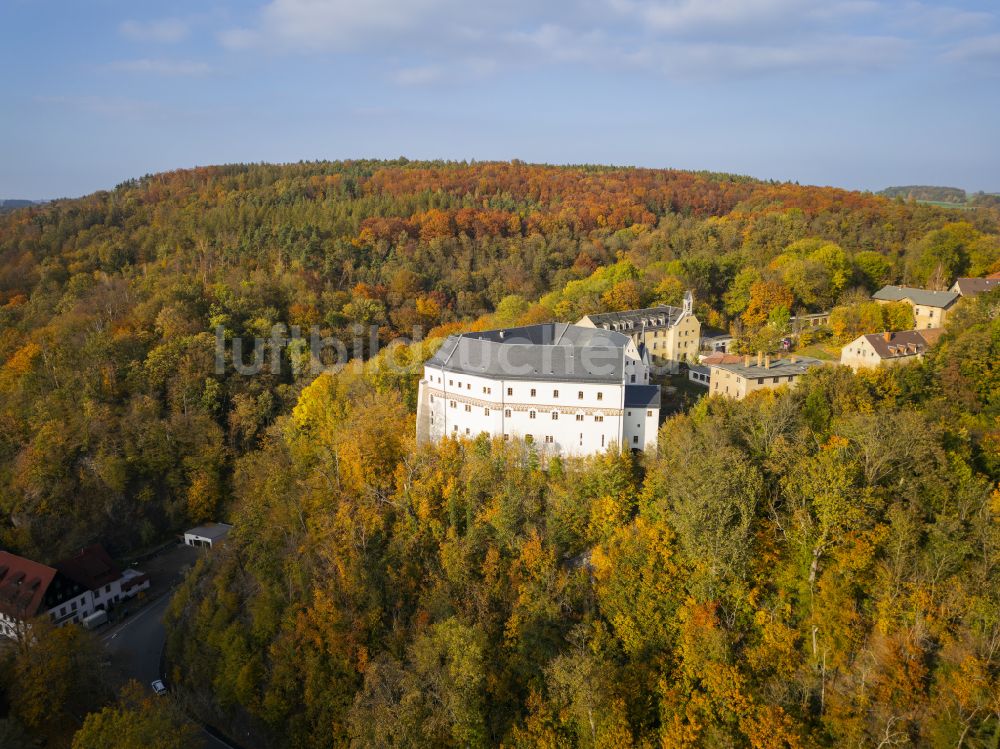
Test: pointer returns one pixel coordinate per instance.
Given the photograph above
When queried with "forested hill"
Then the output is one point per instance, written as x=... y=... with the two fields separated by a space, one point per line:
x=808 y=568
x=927 y=192
x=112 y=422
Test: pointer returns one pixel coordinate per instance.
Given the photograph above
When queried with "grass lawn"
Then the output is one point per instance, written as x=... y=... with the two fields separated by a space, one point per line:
x=825 y=351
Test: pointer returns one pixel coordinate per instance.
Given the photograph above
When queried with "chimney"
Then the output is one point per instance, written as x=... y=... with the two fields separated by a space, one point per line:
x=767 y=362
x=887 y=336
x=746 y=360
x=760 y=358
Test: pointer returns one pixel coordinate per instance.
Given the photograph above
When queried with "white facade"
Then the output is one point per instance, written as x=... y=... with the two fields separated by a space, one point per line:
x=571 y=413
x=207 y=535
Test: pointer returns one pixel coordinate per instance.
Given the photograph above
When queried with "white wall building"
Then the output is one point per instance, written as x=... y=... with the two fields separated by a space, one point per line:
x=69 y=591
x=208 y=535
x=571 y=390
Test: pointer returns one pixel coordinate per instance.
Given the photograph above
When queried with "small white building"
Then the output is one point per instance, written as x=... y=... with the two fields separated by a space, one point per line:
x=571 y=390
x=208 y=535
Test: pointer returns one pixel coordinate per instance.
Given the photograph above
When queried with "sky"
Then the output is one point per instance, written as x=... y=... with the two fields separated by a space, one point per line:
x=860 y=94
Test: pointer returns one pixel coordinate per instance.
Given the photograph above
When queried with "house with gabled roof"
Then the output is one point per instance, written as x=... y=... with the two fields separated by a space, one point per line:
x=889 y=348
x=68 y=591
x=970 y=287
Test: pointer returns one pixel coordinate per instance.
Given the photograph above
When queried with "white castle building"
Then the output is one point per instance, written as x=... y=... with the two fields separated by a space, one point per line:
x=571 y=390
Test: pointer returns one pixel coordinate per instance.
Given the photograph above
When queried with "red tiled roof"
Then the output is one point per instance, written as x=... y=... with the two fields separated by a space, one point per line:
x=91 y=567
x=23 y=584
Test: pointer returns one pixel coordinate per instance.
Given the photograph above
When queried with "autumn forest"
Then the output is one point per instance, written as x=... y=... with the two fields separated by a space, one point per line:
x=816 y=567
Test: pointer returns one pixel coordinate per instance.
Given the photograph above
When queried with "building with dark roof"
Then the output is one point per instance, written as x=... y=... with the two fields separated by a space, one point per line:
x=671 y=334
x=68 y=591
x=970 y=287
x=930 y=308
x=740 y=378
x=880 y=349
x=209 y=534
x=571 y=389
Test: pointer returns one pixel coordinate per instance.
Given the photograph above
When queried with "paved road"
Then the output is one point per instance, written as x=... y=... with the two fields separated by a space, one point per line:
x=135 y=644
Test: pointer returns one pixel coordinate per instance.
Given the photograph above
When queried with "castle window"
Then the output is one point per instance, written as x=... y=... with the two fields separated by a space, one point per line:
x=555 y=416
x=579 y=417
x=531 y=414
x=510 y=391
x=468 y=407
x=506 y=412
x=486 y=412
x=598 y=418
x=579 y=395
x=548 y=439
x=555 y=393
x=533 y=393
x=600 y=396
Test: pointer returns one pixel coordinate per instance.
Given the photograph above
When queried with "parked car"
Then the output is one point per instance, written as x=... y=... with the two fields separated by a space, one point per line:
x=159 y=687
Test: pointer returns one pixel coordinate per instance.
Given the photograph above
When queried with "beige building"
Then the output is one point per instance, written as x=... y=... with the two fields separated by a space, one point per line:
x=886 y=349
x=930 y=308
x=671 y=335
x=739 y=379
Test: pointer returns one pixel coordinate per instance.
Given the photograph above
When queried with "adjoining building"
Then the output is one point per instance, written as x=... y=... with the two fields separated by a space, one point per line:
x=970 y=287
x=713 y=339
x=208 y=535
x=881 y=349
x=671 y=335
x=739 y=379
x=68 y=591
x=570 y=389
x=930 y=308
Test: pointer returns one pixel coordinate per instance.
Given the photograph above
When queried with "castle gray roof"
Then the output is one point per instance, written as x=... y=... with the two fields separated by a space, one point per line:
x=642 y=396
x=652 y=317
x=927 y=298
x=552 y=351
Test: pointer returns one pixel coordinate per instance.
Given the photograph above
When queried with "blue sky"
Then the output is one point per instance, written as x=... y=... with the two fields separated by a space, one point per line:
x=853 y=93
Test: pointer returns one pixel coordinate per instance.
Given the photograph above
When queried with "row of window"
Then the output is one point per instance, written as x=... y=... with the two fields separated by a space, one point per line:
x=510 y=391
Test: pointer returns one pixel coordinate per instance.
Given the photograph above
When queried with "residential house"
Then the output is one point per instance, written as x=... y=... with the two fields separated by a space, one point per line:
x=970 y=287
x=68 y=591
x=930 y=308
x=881 y=349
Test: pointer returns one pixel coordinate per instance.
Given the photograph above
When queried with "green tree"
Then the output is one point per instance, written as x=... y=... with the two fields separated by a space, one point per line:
x=137 y=721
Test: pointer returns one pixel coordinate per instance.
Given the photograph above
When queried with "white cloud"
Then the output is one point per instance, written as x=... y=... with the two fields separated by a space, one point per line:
x=343 y=23
x=432 y=41
x=237 y=39
x=161 y=66
x=164 y=31
x=976 y=50
x=830 y=55
x=418 y=76
x=722 y=17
